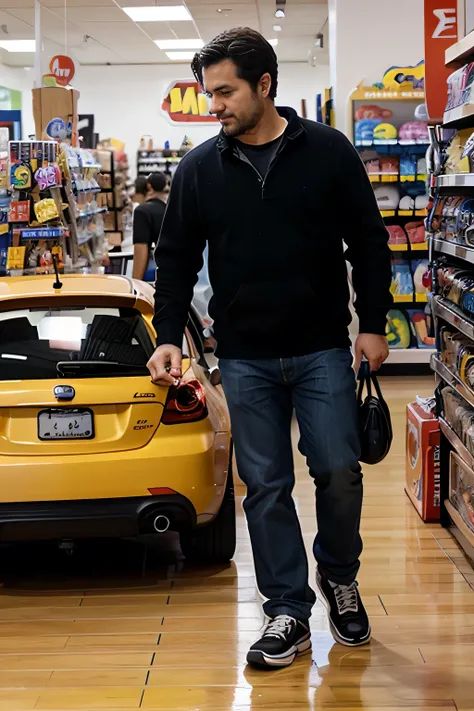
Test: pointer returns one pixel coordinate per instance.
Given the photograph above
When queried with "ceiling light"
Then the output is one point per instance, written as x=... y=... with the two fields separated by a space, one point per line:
x=277 y=28
x=180 y=55
x=280 y=13
x=18 y=45
x=273 y=42
x=180 y=44
x=159 y=13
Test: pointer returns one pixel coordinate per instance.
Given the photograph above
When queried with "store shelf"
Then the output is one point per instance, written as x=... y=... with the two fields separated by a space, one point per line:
x=459 y=180
x=410 y=298
x=452 y=249
x=403 y=213
x=460 y=117
x=390 y=142
x=455 y=442
x=460 y=53
x=400 y=356
x=458 y=521
x=407 y=248
x=396 y=178
x=453 y=315
x=453 y=379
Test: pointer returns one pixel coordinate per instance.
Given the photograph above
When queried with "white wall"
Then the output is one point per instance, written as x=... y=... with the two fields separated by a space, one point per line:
x=21 y=80
x=368 y=37
x=126 y=100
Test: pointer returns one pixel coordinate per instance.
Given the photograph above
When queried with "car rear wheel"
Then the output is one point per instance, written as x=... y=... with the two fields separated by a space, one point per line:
x=215 y=542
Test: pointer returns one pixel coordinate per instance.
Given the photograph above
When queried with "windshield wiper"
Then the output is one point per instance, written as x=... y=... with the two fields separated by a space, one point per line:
x=83 y=368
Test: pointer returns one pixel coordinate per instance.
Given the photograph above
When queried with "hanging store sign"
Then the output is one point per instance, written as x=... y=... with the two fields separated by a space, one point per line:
x=184 y=102
x=441 y=31
x=62 y=71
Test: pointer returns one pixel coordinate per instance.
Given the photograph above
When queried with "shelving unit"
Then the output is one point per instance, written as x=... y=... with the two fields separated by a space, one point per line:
x=397 y=163
x=154 y=161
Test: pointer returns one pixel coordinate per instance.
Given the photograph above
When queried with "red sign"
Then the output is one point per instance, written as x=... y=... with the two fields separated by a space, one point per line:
x=441 y=31
x=19 y=211
x=62 y=68
x=184 y=102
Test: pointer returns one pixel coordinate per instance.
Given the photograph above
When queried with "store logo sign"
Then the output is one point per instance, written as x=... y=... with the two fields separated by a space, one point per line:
x=62 y=68
x=447 y=22
x=440 y=33
x=184 y=102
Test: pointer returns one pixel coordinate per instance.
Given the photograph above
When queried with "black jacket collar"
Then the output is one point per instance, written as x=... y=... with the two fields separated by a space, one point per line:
x=294 y=129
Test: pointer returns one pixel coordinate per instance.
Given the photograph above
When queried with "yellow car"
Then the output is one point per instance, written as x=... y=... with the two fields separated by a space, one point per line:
x=89 y=447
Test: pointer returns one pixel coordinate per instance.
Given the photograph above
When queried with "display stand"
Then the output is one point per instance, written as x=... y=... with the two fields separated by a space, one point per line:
x=451 y=224
x=392 y=143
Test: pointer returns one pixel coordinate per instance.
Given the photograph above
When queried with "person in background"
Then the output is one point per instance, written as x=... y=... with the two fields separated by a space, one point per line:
x=147 y=221
x=138 y=197
x=277 y=266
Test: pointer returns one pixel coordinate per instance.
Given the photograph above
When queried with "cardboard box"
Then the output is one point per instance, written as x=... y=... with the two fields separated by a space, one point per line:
x=422 y=462
x=55 y=102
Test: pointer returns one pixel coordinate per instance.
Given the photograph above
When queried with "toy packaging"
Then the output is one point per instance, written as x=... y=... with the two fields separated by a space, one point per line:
x=397 y=329
x=422 y=461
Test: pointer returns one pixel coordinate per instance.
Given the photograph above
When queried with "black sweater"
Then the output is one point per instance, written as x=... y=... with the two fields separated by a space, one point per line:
x=276 y=254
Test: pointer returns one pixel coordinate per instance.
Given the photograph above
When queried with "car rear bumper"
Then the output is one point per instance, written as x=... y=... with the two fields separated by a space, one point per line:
x=95 y=518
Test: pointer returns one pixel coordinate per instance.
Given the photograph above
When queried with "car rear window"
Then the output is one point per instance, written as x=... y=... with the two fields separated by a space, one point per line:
x=73 y=342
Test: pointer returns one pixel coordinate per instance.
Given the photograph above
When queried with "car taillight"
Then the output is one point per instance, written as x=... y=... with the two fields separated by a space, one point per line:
x=185 y=403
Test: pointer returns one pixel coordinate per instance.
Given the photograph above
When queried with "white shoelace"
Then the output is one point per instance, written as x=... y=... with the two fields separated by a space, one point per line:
x=346 y=598
x=278 y=627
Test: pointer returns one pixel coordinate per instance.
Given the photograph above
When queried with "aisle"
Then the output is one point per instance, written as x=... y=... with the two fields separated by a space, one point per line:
x=177 y=640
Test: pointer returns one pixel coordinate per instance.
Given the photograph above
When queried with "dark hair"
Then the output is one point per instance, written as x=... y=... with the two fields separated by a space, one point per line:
x=157 y=181
x=140 y=186
x=251 y=53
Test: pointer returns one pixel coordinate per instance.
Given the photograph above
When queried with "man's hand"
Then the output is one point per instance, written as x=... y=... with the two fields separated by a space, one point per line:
x=165 y=365
x=373 y=347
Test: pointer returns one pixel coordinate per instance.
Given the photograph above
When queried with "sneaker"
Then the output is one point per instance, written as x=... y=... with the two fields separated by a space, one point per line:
x=347 y=616
x=283 y=638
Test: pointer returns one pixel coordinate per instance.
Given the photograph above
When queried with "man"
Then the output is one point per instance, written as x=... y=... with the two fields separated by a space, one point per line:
x=275 y=196
x=147 y=221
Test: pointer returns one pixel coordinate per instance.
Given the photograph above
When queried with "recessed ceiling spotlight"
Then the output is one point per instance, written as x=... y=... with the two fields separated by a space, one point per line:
x=277 y=28
x=280 y=13
x=224 y=10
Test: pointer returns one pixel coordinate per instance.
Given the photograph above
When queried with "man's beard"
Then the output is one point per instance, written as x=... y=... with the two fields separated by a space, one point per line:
x=240 y=126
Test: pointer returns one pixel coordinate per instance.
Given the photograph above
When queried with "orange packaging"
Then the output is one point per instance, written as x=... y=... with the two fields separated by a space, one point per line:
x=423 y=462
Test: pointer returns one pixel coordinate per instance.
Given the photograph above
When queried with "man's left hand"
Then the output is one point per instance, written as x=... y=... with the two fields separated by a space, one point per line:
x=373 y=347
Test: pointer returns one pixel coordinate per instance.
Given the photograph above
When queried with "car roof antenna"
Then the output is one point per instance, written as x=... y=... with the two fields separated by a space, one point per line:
x=57 y=284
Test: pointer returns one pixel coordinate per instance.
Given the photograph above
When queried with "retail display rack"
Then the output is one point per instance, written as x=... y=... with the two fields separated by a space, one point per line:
x=450 y=224
x=160 y=160
x=392 y=139
x=55 y=204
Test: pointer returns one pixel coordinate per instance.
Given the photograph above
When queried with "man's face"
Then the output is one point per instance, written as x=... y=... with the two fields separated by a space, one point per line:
x=237 y=106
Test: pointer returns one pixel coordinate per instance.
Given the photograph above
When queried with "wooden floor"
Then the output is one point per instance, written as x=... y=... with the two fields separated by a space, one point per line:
x=108 y=629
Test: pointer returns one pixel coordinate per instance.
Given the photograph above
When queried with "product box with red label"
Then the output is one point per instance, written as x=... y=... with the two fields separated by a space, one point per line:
x=422 y=462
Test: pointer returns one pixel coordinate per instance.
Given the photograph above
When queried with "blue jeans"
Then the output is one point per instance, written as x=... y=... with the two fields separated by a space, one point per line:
x=262 y=396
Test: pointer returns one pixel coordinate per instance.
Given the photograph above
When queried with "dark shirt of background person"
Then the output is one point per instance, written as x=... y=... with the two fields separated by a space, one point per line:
x=147 y=220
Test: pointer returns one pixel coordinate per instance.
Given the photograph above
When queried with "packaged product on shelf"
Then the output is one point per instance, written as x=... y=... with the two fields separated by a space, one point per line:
x=420 y=267
x=461 y=489
x=414 y=131
x=397 y=235
x=372 y=111
x=416 y=232
x=421 y=327
x=423 y=461
x=402 y=279
x=397 y=329
x=385 y=132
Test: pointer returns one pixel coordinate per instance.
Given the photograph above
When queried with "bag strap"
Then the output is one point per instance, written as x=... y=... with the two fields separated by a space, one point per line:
x=364 y=377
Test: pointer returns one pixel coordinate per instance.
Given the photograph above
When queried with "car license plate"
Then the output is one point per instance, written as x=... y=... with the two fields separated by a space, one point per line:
x=65 y=424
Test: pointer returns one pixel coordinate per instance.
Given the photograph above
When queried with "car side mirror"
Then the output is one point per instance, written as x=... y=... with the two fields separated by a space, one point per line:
x=215 y=377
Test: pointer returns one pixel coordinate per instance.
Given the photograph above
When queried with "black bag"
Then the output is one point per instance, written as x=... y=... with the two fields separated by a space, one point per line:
x=374 y=419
